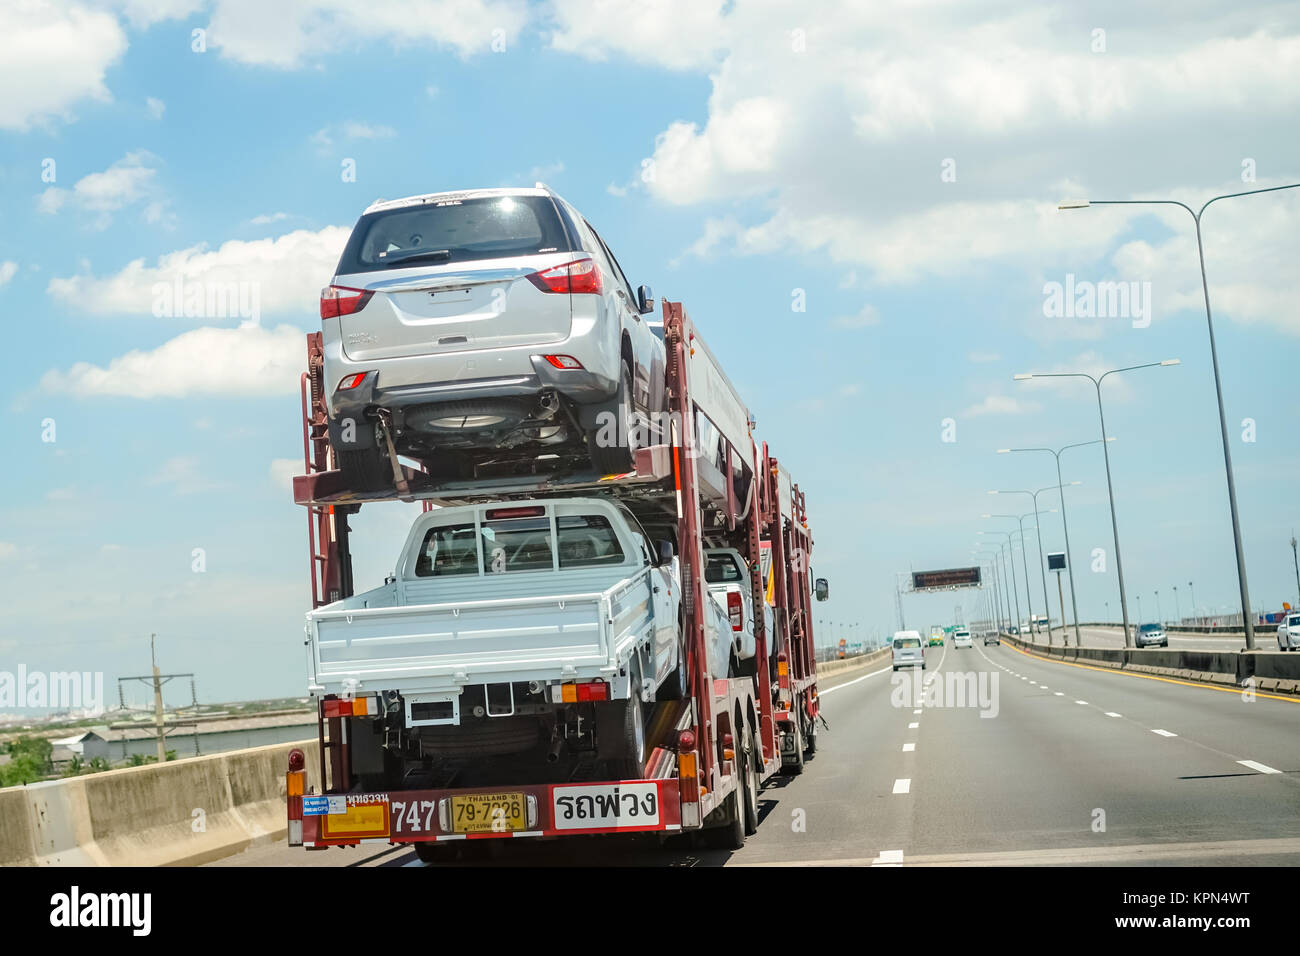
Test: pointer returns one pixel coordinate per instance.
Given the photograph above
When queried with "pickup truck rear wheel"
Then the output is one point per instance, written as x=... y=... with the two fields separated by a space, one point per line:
x=620 y=732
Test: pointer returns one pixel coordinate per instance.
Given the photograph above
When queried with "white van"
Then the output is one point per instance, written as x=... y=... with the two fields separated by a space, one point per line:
x=909 y=649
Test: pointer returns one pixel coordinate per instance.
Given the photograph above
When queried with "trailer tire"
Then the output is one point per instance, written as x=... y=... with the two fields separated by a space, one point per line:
x=810 y=743
x=731 y=835
x=793 y=766
x=751 y=785
x=430 y=853
x=619 y=458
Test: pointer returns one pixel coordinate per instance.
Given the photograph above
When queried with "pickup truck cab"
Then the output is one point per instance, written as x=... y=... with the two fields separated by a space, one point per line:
x=494 y=608
x=727 y=575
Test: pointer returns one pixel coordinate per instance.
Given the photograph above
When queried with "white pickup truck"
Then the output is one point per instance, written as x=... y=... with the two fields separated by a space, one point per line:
x=506 y=609
x=727 y=576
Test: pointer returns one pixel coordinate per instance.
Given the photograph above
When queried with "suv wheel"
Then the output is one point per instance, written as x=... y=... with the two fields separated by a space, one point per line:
x=619 y=457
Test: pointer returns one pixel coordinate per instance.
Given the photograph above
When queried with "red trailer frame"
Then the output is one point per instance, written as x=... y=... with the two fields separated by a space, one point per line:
x=699 y=743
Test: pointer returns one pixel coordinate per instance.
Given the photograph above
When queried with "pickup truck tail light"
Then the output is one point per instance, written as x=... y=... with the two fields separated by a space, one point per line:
x=336 y=300
x=735 y=611
x=581 y=276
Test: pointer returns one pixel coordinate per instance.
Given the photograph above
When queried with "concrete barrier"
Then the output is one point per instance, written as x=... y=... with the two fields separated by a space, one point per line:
x=1273 y=671
x=175 y=813
x=827 y=668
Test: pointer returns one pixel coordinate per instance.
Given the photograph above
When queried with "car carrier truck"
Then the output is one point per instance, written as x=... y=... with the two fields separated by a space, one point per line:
x=610 y=694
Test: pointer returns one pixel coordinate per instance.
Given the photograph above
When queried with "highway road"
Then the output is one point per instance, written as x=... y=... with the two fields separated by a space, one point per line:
x=1072 y=765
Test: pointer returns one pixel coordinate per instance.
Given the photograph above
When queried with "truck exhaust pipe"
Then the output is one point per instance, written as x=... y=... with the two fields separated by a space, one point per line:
x=557 y=748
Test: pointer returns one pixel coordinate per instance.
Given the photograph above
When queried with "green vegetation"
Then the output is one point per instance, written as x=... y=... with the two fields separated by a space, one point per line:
x=29 y=761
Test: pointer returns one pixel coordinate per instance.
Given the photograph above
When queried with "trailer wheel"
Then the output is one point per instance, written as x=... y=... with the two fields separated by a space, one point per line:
x=731 y=835
x=810 y=743
x=793 y=765
x=430 y=852
x=620 y=457
x=751 y=785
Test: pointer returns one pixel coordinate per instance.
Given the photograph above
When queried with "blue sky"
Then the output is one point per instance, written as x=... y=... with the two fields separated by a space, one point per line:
x=741 y=158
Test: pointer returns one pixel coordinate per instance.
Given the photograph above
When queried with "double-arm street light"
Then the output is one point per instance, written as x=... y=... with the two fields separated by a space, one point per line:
x=1024 y=561
x=1042 y=563
x=1110 y=489
x=995 y=604
x=1011 y=567
x=1247 y=616
x=1069 y=559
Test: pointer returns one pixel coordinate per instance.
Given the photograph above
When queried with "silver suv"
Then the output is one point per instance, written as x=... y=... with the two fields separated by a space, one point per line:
x=478 y=331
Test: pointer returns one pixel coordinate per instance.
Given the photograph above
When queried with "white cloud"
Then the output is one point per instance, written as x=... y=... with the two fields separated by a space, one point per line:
x=184 y=475
x=868 y=315
x=127 y=181
x=156 y=107
x=289 y=35
x=244 y=362
x=266 y=220
x=52 y=56
x=8 y=550
x=7 y=271
x=145 y=13
x=835 y=139
x=284 y=470
x=287 y=271
x=677 y=34
x=999 y=405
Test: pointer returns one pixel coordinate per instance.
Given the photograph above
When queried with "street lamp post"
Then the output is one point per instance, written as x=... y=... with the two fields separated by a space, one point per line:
x=1295 y=561
x=996 y=601
x=1110 y=488
x=1020 y=520
x=1042 y=563
x=1247 y=617
x=1178 y=608
x=1193 y=594
x=1069 y=558
x=1160 y=614
x=1015 y=590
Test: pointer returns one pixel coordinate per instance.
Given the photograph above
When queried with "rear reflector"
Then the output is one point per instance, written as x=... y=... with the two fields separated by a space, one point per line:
x=352 y=381
x=563 y=361
x=734 y=611
x=336 y=300
x=576 y=277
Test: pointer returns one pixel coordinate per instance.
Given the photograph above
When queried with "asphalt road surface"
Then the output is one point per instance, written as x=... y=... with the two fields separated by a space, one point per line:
x=1072 y=765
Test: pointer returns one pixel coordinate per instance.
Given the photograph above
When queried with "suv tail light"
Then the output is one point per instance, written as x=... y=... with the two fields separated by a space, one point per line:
x=734 y=611
x=336 y=300
x=576 y=277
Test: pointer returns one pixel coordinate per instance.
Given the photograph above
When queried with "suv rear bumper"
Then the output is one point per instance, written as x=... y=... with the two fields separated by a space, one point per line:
x=587 y=389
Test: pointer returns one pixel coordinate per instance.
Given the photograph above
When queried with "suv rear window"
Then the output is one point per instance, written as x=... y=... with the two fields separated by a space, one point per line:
x=454 y=230
x=907 y=642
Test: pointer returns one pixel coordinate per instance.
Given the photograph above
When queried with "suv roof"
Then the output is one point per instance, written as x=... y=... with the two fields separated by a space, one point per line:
x=381 y=204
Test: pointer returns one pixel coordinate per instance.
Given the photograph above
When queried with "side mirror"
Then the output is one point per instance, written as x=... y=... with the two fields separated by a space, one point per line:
x=665 y=552
x=822 y=589
x=645 y=299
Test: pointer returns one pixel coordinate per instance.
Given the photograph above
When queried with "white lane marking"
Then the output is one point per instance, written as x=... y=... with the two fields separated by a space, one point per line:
x=1253 y=765
x=415 y=863
x=1081 y=702
x=903 y=785
x=1111 y=713
x=1059 y=694
x=1164 y=733
x=913 y=725
x=889 y=858
x=1044 y=687
x=917 y=711
x=831 y=690
x=908 y=748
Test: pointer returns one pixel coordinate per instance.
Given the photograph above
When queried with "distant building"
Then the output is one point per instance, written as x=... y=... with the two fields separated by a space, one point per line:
x=86 y=745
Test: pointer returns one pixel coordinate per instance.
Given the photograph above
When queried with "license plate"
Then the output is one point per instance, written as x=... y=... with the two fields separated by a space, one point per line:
x=369 y=819
x=488 y=813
